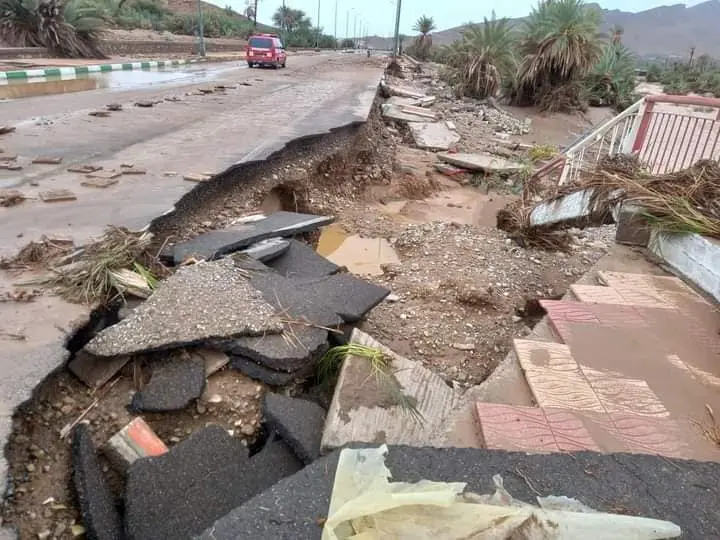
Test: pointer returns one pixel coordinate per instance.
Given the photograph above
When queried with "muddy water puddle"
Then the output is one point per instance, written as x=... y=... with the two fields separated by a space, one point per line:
x=466 y=206
x=362 y=256
x=114 y=80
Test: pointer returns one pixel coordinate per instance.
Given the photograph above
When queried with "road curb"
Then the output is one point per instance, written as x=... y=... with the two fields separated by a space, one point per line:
x=72 y=72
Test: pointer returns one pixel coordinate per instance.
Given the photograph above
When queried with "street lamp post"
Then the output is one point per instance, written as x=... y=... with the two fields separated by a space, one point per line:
x=396 y=50
x=355 y=40
x=201 y=37
x=335 y=28
x=317 y=37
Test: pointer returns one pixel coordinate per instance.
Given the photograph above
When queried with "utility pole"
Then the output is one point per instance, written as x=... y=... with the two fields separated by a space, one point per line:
x=335 y=28
x=355 y=40
x=254 y=14
x=347 y=24
x=396 y=50
x=317 y=37
x=201 y=44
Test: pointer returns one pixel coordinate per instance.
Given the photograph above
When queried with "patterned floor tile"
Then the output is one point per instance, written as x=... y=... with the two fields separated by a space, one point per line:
x=595 y=294
x=646 y=290
x=619 y=394
x=644 y=435
x=515 y=428
x=618 y=316
x=574 y=312
x=532 y=429
x=555 y=379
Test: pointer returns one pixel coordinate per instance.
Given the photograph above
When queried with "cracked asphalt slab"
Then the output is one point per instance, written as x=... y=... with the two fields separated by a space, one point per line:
x=682 y=491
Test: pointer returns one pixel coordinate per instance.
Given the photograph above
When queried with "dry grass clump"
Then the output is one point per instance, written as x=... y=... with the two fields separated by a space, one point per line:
x=38 y=254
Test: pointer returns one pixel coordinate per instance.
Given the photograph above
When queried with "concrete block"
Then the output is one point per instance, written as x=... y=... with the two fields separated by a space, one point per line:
x=134 y=441
x=481 y=161
x=632 y=228
x=695 y=257
x=95 y=371
x=433 y=136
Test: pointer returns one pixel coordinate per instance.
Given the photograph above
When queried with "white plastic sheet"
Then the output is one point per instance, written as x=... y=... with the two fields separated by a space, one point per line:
x=365 y=505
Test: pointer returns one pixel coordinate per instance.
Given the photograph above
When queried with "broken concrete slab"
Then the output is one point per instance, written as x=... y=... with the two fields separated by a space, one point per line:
x=175 y=382
x=300 y=346
x=298 y=422
x=193 y=177
x=402 y=101
x=269 y=376
x=209 y=300
x=97 y=505
x=400 y=91
x=481 y=161
x=351 y=298
x=47 y=160
x=93 y=370
x=105 y=175
x=99 y=182
x=302 y=261
x=398 y=113
x=134 y=441
x=57 y=195
x=214 y=244
x=267 y=250
x=197 y=481
x=304 y=498
x=363 y=411
x=449 y=170
x=433 y=136
x=632 y=228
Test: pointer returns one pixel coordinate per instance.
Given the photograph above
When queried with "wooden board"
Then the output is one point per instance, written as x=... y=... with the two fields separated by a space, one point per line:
x=361 y=411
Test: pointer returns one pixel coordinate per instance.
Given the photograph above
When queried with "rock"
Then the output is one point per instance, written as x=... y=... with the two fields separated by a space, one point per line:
x=47 y=160
x=214 y=244
x=267 y=250
x=176 y=381
x=99 y=513
x=481 y=161
x=301 y=261
x=134 y=441
x=433 y=136
x=99 y=114
x=449 y=170
x=114 y=107
x=298 y=422
x=144 y=103
x=197 y=303
x=198 y=481
x=301 y=346
x=269 y=376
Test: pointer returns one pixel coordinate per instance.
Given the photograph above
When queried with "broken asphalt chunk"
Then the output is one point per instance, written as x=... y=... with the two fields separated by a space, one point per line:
x=291 y=351
x=301 y=261
x=99 y=514
x=205 y=301
x=134 y=441
x=267 y=250
x=351 y=298
x=269 y=376
x=176 y=381
x=181 y=493
x=298 y=422
x=214 y=244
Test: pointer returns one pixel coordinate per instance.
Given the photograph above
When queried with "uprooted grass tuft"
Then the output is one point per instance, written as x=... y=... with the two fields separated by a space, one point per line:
x=380 y=370
x=92 y=277
x=711 y=429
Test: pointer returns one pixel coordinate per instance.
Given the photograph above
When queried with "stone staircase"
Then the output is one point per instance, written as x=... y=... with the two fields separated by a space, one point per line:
x=634 y=365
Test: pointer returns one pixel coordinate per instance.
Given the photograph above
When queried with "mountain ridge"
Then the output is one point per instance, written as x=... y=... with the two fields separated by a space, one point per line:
x=664 y=31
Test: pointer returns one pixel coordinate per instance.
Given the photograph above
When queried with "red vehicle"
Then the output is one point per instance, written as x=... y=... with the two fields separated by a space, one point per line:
x=265 y=50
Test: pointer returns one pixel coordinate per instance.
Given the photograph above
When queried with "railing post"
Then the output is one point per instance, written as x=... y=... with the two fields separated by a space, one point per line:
x=639 y=132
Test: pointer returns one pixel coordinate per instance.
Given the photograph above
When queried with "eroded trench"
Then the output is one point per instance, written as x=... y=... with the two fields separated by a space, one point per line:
x=316 y=175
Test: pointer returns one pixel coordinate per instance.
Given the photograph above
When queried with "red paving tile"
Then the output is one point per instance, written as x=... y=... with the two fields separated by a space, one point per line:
x=595 y=294
x=577 y=312
x=532 y=429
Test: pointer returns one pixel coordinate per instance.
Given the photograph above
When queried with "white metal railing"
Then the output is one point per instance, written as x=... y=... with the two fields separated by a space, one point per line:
x=610 y=137
x=667 y=133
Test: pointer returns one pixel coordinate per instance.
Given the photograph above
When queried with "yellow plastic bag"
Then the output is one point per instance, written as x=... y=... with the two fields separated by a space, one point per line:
x=365 y=505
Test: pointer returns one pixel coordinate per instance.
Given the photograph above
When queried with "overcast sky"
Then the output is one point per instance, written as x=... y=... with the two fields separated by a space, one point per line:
x=379 y=15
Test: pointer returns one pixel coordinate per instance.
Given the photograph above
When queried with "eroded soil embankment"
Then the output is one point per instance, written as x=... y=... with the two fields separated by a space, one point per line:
x=310 y=175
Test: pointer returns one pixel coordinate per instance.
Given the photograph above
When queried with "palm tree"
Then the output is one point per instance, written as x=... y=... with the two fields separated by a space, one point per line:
x=424 y=25
x=561 y=43
x=616 y=34
x=483 y=58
